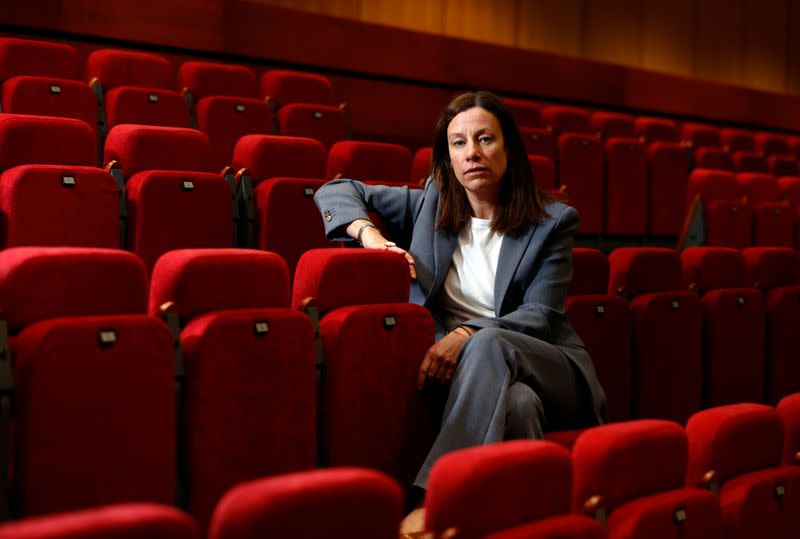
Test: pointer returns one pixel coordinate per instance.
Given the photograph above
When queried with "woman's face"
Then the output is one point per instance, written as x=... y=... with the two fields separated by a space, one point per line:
x=478 y=152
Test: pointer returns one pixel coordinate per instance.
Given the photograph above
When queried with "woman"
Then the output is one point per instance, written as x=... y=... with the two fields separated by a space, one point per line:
x=490 y=257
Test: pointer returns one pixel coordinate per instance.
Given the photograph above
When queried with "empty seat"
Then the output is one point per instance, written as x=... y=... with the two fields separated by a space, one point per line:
x=656 y=130
x=668 y=169
x=122 y=521
x=736 y=450
x=667 y=332
x=531 y=481
x=713 y=157
x=544 y=171
x=538 y=141
x=733 y=325
x=284 y=87
x=789 y=187
x=580 y=173
x=373 y=342
x=613 y=124
x=205 y=79
x=327 y=124
x=603 y=321
x=526 y=113
x=749 y=161
x=736 y=140
x=421 y=165
x=46 y=141
x=789 y=410
x=136 y=88
x=562 y=119
x=773 y=221
x=344 y=502
x=770 y=143
x=773 y=271
x=369 y=161
x=616 y=478
x=782 y=165
x=626 y=186
x=78 y=321
x=38 y=58
x=48 y=96
x=700 y=135
x=727 y=221
x=247 y=356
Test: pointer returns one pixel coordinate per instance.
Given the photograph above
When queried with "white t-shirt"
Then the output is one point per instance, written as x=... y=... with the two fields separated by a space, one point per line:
x=469 y=285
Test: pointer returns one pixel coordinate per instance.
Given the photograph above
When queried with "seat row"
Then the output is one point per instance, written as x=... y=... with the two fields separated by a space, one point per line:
x=732 y=472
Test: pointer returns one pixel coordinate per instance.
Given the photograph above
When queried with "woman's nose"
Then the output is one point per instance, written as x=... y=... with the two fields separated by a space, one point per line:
x=473 y=150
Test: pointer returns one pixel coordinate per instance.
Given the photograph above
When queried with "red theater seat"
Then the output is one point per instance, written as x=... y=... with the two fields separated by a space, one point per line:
x=633 y=475
x=668 y=167
x=626 y=186
x=526 y=113
x=538 y=141
x=713 y=157
x=733 y=325
x=562 y=119
x=544 y=171
x=94 y=414
x=749 y=161
x=345 y=502
x=789 y=410
x=124 y=521
x=530 y=481
x=38 y=58
x=736 y=450
x=48 y=96
x=700 y=135
x=207 y=79
x=369 y=161
x=284 y=87
x=728 y=222
x=580 y=173
x=773 y=220
x=667 y=332
x=736 y=140
x=613 y=124
x=770 y=143
x=782 y=165
x=421 y=165
x=249 y=363
x=656 y=130
x=325 y=123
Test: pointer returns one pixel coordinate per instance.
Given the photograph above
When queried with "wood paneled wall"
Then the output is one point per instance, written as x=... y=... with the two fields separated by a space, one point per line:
x=751 y=43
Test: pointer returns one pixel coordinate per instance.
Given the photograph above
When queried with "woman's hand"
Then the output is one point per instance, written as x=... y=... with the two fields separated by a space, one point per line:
x=441 y=359
x=371 y=238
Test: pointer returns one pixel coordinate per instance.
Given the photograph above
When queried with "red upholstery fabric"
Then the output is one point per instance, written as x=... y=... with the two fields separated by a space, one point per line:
x=713 y=157
x=733 y=440
x=613 y=124
x=163 y=214
x=789 y=187
x=709 y=268
x=287 y=220
x=544 y=171
x=39 y=58
x=250 y=400
x=146 y=106
x=626 y=186
x=559 y=527
x=199 y=281
x=580 y=172
x=370 y=379
x=421 y=165
x=564 y=438
x=669 y=173
x=783 y=319
x=142 y=147
x=737 y=140
x=615 y=461
x=773 y=222
x=347 y=502
x=639 y=270
x=728 y=222
x=758 y=187
x=656 y=129
x=789 y=410
x=50 y=97
x=341 y=277
x=93 y=424
x=203 y=79
x=270 y=156
x=367 y=161
x=38 y=283
x=770 y=267
x=590 y=271
x=782 y=165
x=226 y=119
x=526 y=113
x=667 y=355
x=604 y=324
x=538 y=141
x=124 y=521
x=700 y=135
x=749 y=161
x=38 y=208
x=286 y=87
x=43 y=140
x=325 y=123
x=530 y=480
x=561 y=119
x=655 y=516
x=712 y=185
x=769 y=144
x=114 y=68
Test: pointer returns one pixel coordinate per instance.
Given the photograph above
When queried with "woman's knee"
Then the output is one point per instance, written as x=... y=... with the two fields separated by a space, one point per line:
x=525 y=413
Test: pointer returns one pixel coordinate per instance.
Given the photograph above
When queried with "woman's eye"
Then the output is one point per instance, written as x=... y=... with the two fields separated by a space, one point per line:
x=458 y=143
x=485 y=140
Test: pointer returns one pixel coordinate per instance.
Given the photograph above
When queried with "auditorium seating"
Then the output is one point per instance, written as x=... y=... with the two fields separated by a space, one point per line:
x=544 y=172
x=773 y=222
x=789 y=410
x=736 y=140
x=613 y=124
x=421 y=165
x=369 y=162
x=93 y=381
x=526 y=113
x=538 y=141
x=626 y=187
x=531 y=485
x=580 y=176
x=736 y=451
x=561 y=119
x=249 y=367
x=727 y=221
x=771 y=144
x=342 y=502
x=733 y=325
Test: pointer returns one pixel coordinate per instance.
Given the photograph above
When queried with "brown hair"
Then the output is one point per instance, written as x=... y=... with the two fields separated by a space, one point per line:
x=520 y=204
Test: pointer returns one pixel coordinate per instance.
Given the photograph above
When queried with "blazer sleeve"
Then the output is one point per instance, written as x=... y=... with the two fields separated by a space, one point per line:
x=546 y=295
x=343 y=201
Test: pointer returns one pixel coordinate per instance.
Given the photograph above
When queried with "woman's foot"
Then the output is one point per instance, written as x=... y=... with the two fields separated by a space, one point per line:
x=414 y=523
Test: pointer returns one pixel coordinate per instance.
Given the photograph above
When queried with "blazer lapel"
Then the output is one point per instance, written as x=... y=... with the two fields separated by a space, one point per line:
x=511 y=252
x=443 y=246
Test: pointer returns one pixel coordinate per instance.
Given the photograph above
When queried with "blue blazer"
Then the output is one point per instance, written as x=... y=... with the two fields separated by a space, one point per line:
x=533 y=272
